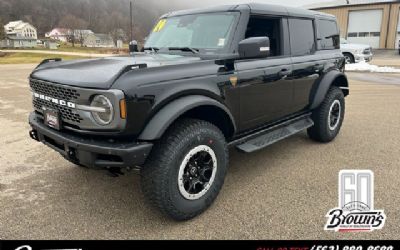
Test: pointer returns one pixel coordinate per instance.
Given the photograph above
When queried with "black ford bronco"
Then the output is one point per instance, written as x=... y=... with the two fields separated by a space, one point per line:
x=241 y=76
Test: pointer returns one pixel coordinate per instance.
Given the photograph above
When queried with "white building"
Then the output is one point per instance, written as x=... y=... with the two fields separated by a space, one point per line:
x=59 y=34
x=99 y=40
x=63 y=34
x=20 y=34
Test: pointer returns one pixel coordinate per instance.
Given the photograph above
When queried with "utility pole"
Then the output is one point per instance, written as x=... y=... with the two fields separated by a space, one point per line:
x=131 y=19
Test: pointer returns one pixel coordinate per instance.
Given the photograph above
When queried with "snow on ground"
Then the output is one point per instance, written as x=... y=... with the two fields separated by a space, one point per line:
x=364 y=66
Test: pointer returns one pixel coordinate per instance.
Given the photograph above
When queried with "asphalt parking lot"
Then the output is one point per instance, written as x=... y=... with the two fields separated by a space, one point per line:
x=281 y=192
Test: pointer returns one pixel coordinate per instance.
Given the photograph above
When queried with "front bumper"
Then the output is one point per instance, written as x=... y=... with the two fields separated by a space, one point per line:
x=96 y=153
x=362 y=57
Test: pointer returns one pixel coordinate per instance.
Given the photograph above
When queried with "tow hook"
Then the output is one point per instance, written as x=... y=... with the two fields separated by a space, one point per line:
x=114 y=171
x=33 y=134
x=72 y=154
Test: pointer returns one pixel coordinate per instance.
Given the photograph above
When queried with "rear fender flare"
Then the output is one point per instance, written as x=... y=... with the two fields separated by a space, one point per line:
x=321 y=87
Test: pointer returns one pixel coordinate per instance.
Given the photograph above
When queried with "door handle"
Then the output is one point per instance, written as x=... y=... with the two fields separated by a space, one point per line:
x=318 y=67
x=284 y=73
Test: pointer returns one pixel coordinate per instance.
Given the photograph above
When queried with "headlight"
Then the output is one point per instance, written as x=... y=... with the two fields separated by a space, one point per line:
x=103 y=112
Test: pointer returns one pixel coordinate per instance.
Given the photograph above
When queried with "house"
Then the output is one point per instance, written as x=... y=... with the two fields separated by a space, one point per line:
x=99 y=40
x=59 y=34
x=82 y=34
x=63 y=34
x=19 y=34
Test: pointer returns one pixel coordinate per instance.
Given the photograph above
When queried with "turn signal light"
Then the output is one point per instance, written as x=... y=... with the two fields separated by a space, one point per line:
x=122 y=108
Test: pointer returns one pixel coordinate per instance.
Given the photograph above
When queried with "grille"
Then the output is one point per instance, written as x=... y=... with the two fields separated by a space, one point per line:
x=66 y=113
x=49 y=89
x=367 y=51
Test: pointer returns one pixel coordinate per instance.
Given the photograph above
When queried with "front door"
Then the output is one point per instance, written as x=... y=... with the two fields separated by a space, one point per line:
x=266 y=91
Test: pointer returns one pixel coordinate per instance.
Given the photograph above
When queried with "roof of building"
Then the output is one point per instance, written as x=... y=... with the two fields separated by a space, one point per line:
x=102 y=36
x=258 y=8
x=15 y=25
x=65 y=31
x=341 y=3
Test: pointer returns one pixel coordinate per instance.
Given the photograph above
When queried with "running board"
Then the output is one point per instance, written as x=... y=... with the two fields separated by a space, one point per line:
x=275 y=134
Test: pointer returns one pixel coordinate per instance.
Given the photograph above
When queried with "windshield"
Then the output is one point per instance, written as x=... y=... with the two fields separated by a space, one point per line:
x=200 y=31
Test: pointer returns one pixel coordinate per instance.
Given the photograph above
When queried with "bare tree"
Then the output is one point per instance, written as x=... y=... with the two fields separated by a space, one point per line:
x=2 y=31
x=101 y=16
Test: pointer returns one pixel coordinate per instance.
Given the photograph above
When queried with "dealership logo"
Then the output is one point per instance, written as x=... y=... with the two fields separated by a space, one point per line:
x=356 y=204
x=54 y=100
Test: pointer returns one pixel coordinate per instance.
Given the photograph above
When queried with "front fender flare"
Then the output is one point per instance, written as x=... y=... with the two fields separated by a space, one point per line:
x=322 y=86
x=159 y=123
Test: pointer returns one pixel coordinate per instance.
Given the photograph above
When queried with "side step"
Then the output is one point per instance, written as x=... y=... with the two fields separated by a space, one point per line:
x=275 y=134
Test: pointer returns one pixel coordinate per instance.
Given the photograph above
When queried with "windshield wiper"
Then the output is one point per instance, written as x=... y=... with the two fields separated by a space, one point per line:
x=153 y=49
x=190 y=49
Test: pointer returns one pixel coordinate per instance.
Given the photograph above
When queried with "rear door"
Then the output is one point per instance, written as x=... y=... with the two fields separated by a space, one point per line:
x=307 y=64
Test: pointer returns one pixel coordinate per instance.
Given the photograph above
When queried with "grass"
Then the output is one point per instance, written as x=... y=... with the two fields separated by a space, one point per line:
x=20 y=57
x=78 y=48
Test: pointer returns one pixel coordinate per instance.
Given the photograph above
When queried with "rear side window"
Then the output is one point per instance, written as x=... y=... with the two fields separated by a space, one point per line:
x=328 y=35
x=302 y=37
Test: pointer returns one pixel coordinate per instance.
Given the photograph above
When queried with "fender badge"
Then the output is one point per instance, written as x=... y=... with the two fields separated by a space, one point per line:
x=233 y=80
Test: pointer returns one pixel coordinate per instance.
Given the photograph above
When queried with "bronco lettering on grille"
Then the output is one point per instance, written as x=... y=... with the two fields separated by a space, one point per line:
x=54 y=100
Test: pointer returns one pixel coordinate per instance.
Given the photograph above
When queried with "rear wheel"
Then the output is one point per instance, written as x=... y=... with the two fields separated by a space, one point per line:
x=186 y=169
x=328 y=117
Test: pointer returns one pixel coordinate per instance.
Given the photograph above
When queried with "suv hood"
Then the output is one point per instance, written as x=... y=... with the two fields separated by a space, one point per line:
x=354 y=46
x=101 y=73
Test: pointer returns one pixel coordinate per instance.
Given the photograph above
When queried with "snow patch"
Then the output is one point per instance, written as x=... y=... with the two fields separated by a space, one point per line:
x=364 y=66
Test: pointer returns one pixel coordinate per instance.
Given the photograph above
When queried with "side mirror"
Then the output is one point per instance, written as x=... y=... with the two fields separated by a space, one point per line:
x=254 y=47
x=133 y=46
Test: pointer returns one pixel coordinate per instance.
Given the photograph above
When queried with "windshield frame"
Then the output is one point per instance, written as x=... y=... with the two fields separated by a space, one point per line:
x=201 y=51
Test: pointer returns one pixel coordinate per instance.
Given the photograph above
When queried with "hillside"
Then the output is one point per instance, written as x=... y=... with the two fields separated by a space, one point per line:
x=101 y=16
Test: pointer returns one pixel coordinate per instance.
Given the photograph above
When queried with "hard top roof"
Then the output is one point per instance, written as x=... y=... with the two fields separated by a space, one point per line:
x=255 y=8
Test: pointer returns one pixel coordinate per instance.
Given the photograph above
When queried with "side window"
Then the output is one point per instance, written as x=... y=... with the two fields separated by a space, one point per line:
x=266 y=26
x=328 y=35
x=302 y=38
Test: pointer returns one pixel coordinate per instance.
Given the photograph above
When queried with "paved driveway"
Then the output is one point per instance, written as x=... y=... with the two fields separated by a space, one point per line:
x=281 y=192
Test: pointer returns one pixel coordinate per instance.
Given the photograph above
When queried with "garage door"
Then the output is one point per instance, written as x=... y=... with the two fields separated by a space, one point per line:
x=365 y=27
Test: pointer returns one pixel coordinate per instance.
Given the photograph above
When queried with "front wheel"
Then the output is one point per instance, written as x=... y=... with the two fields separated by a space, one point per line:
x=186 y=169
x=328 y=117
x=349 y=58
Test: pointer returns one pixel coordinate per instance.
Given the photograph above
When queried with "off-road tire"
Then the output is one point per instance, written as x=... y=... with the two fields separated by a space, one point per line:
x=321 y=130
x=159 y=175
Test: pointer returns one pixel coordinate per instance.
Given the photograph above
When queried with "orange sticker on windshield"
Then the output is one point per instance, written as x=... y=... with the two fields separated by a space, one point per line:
x=160 y=25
